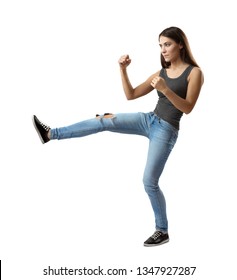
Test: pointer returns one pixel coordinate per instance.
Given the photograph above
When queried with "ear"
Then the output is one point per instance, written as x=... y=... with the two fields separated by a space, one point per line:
x=180 y=46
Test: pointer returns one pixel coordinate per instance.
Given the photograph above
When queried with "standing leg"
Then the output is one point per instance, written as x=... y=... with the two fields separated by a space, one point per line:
x=162 y=139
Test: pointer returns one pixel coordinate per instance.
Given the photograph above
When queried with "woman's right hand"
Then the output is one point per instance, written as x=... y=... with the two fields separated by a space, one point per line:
x=124 y=61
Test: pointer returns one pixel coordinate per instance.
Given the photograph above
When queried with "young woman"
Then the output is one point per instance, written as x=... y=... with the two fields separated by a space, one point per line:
x=178 y=85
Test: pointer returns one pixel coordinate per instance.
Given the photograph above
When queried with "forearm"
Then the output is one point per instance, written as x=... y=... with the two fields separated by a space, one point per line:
x=181 y=104
x=127 y=87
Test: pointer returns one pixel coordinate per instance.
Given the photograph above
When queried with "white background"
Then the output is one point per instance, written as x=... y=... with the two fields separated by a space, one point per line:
x=81 y=202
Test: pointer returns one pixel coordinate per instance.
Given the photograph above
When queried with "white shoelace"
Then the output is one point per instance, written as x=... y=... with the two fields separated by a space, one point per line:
x=156 y=235
x=46 y=127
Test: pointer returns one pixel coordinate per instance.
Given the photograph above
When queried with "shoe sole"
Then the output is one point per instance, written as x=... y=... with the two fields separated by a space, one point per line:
x=154 y=245
x=35 y=126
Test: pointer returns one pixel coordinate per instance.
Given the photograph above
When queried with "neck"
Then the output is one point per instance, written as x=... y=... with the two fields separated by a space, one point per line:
x=177 y=64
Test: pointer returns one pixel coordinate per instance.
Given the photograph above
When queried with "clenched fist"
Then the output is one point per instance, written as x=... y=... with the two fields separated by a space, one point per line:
x=158 y=83
x=124 y=61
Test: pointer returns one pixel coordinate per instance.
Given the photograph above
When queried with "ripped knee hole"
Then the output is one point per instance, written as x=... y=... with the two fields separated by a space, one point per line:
x=106 y=116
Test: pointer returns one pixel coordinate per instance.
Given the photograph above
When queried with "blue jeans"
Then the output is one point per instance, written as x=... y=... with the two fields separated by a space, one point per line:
x=162 y=138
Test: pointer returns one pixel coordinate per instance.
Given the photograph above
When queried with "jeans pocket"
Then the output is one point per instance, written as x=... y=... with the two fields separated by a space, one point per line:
x=152 y=118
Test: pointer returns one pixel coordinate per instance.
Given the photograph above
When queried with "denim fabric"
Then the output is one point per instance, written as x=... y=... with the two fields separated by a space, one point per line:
x=162 y=138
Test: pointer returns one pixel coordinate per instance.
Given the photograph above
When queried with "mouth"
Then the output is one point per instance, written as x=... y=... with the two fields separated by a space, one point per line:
x=166 y=57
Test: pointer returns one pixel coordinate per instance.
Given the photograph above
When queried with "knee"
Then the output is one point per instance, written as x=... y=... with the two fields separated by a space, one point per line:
x=105 y=116
x=150 y=184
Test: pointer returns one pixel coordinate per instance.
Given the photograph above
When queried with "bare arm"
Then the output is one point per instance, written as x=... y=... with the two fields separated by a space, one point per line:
x=195 y=82
x=130 y=92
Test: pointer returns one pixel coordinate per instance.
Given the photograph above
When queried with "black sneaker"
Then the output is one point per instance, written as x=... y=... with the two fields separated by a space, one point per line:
x=158 y=238
x=41 y=129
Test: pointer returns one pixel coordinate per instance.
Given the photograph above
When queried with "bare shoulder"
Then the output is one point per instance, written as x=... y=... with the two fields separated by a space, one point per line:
x=196 y=74
x=151 y=77
x=154 y=75
x=157 y=73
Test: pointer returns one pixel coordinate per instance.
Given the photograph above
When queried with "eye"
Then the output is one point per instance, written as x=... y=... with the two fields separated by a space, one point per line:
x=167 y=44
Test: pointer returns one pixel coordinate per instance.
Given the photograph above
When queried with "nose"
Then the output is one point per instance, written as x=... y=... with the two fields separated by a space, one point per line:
x=163 y=49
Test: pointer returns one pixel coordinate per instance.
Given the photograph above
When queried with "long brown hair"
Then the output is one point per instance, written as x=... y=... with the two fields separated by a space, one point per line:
x=179 y=37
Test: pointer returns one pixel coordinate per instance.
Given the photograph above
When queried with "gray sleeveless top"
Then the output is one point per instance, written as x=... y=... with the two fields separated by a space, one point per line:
x=164 y=108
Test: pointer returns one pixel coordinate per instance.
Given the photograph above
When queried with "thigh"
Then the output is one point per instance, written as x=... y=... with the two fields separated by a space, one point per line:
x=162 y=141
x=128 y=123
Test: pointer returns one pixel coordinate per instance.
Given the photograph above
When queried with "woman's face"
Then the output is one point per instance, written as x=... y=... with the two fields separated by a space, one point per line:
x=169 y=49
